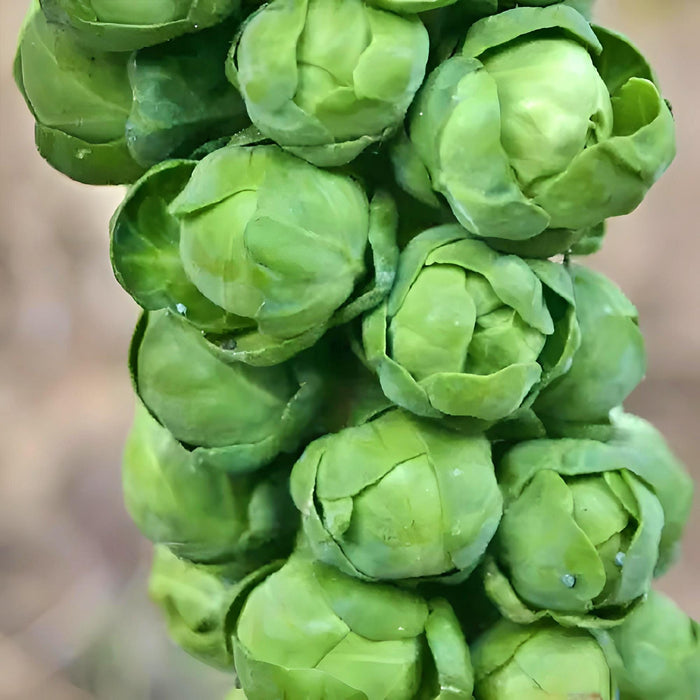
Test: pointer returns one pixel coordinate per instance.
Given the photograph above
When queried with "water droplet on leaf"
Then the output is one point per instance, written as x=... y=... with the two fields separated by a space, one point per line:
x=568 y=580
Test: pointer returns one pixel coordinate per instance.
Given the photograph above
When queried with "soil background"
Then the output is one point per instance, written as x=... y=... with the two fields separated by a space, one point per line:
x=75 y=621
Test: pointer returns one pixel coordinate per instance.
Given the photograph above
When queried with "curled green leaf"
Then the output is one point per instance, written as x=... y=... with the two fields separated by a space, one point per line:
x=194 y=600
x=181 y=97
x=133 y=24
x=201 y=513
x=80 y=99
x=609 y=363
x=232 y=416
x=655 y=653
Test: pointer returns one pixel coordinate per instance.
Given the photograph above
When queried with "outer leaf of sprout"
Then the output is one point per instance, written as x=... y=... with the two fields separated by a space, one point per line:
x=194 y=600
x=234 y=416
x=200 y=513
x=130 y=24
x=80 y=100
x=610 y=362
x=182 y=97
x=652 y=460
x=655 y=653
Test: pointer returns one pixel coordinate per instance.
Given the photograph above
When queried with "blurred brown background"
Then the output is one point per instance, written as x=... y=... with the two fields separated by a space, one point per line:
x=75 y=622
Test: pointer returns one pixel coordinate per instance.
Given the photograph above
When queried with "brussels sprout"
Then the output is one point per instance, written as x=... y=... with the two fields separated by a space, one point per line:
x=201 y=513
x=124 y=25
x=579 y=537
x=181 y=97
x=308 y=632
x=258 y=247
x=325 y=93
x=539 y=662
x=468 y=331
x=655 y=653
x=650 y=458
x=80 y=100
x=608 y=365
x=233 y=417
x=398 y=498
x=539 y=129
x=194 y=600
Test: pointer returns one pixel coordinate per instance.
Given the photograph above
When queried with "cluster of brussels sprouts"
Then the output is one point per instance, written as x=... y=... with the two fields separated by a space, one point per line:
x=379 y=443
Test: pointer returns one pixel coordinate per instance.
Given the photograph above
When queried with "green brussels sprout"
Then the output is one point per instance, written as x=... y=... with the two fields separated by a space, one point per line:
x=325 y=93
x=398 y=498
x=538 y=129
x=538 y=662
x=650 y=458
x=579 y=538
x=194 y=600
x=80 y=100
x=609 y=363
x=308 y=632
x=469 y=332
x=181 y=97
x=255 y=246
x=124 y=25
x=655 y=653
x=232 y=416
x=199 y=512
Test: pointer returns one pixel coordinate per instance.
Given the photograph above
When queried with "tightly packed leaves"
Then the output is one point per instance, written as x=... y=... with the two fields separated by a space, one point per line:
x=539 y=126
x=379 y=443
x=103 y=118
x=202 y=239
x=398 y=498
x=326 y=94
x=538 y=662
x=580 y=534
x=337 y=637
x=469 y=332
